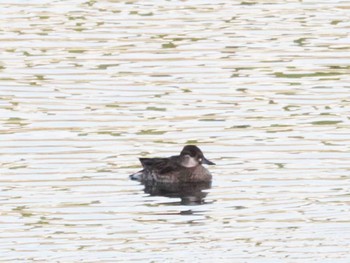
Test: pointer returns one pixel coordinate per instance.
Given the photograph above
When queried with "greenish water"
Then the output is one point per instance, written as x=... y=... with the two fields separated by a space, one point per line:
x=87 y=87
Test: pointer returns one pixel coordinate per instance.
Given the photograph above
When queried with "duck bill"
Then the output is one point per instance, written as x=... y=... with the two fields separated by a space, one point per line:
x=206 y=161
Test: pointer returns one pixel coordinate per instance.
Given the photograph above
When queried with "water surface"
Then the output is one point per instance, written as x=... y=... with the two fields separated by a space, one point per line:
x=87 y=87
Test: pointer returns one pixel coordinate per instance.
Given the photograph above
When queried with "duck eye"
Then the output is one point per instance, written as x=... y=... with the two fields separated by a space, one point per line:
x=200 y=159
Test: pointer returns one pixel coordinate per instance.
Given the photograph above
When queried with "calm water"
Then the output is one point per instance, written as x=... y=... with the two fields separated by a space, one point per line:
x=87 y=87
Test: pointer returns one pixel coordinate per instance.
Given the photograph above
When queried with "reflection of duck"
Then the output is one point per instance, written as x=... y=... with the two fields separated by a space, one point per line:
x=186 y=167
x=190 y=193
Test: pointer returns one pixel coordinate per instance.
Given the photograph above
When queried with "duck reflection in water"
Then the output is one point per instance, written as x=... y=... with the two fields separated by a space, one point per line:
x=189 y=193
x=176 y=176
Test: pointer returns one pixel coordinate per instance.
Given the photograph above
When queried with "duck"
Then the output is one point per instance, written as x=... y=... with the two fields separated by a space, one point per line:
x=184 y=168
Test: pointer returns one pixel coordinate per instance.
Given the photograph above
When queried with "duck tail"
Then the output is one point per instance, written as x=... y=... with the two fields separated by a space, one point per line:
x=137 y=176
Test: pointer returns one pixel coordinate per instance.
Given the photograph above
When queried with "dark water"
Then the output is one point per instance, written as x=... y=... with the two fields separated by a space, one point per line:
x=87 y=87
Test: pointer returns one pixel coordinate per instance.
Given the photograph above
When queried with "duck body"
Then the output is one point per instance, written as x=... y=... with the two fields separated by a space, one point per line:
x=186 y=167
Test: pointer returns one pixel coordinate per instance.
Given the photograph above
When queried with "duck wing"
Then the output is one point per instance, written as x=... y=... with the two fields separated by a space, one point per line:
x=152 y=162
x=160 y=165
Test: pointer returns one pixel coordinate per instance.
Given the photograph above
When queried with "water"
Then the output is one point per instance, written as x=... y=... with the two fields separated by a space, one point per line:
x=87 y=87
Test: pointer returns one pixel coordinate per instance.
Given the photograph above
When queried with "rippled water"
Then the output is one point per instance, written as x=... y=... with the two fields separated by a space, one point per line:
x=87 y=87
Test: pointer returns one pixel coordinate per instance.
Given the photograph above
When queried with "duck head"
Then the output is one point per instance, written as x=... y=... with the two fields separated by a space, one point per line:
x=192 y=156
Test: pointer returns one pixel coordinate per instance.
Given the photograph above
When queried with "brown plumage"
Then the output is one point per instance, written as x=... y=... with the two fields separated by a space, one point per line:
x=186 y=167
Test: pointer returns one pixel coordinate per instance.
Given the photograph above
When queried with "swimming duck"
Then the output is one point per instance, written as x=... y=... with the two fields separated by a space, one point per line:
x=186 y=167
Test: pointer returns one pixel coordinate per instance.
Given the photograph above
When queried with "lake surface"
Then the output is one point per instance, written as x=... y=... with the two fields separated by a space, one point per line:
x=87 y=87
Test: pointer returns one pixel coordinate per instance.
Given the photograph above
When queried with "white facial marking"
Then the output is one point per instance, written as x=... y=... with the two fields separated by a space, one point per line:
x=189 y=162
